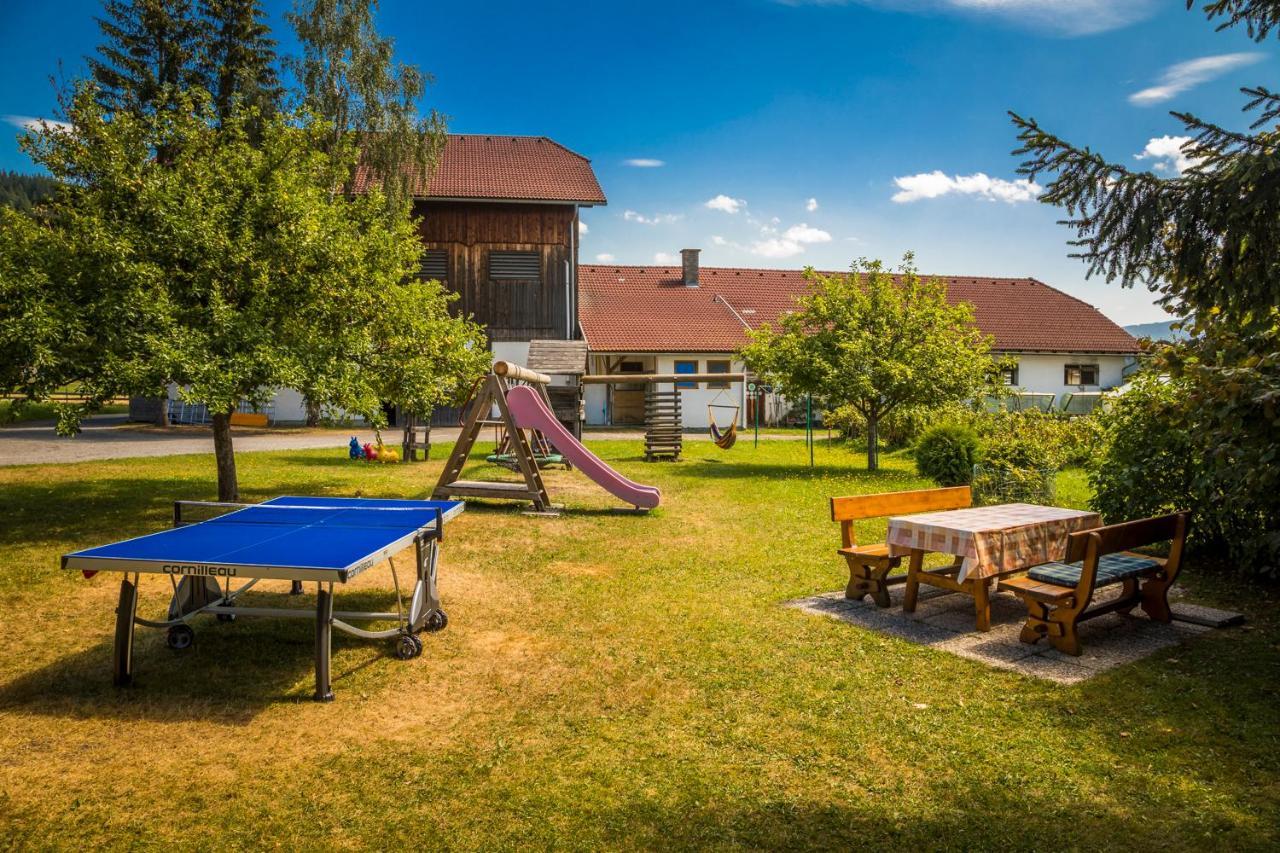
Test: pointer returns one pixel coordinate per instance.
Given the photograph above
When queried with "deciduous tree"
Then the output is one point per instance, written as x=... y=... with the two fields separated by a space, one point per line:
x=231 y=269
x=348 y=75
x=876 y=342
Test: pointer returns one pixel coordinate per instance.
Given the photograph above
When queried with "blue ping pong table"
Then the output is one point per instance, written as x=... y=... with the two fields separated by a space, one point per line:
x=328 y=541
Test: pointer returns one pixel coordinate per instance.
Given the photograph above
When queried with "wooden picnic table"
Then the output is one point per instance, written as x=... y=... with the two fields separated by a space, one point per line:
x=988 y=541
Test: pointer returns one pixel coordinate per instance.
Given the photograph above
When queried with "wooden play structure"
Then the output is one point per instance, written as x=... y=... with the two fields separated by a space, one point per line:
x=566 y=363
x=663 y=424
x=490 y=395
x=535 y=436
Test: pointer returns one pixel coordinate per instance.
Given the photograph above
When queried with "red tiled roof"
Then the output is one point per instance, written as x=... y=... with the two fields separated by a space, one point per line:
x=508 y=168
x=648 y=309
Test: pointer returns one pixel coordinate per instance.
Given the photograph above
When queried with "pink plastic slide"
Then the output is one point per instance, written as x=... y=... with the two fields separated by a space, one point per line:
x=531 y=412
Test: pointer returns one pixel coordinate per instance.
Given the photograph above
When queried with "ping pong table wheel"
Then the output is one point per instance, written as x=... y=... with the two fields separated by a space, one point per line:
x=180 y=637
x=437 y=620
x=408 y=646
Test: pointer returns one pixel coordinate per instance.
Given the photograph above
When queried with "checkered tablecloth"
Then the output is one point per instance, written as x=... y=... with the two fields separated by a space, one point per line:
x=991 y=539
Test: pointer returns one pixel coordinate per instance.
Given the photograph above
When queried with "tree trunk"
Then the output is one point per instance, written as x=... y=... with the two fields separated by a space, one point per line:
x=873 y=443
x=313 y=413
x=228 y=488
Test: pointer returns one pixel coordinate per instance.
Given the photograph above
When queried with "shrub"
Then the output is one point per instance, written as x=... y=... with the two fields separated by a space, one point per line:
x=947 y=453
x=899 y=428
x=1001 y=482
x=1147 y=466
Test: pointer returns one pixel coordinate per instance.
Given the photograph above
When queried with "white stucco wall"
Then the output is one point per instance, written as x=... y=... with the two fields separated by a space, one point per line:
x=1043 y=373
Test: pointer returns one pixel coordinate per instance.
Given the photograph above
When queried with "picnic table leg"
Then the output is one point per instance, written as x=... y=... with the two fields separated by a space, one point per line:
x=913 y=581
x=126 y=611
x=324 y=633
x=982 y=603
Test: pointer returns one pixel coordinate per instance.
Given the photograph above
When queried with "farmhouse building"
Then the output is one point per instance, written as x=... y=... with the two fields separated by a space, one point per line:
x=692 y=319
x=500 y=225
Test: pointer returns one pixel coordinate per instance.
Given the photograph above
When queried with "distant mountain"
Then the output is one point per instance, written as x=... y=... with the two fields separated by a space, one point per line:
x=1155 y=331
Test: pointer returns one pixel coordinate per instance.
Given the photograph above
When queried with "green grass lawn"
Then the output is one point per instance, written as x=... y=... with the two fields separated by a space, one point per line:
x=606 y=680
x=46 y=412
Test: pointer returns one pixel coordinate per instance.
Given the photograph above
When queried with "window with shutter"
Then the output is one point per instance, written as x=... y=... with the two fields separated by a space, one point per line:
x=515 y=266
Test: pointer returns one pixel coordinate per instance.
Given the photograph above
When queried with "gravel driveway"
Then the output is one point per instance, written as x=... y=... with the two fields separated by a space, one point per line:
x=113 y=437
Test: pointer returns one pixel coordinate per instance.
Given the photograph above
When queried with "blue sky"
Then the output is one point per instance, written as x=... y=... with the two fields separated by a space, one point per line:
x=788 y=133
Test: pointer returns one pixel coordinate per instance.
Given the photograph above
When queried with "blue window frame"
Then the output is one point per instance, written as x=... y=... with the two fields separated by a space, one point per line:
x=686 y=367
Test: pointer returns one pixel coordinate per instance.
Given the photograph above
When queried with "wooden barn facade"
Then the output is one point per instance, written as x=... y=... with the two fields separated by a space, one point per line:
x=511 y=264
x=500 y=227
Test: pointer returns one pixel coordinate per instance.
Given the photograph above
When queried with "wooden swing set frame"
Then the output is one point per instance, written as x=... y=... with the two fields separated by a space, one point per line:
x=491 y=393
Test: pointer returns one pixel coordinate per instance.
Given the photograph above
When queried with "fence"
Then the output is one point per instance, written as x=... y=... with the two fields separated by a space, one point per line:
x=190 y=414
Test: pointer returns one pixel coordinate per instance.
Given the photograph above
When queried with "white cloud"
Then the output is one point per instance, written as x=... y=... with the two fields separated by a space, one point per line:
x=1063 y=17
x=1168 y=155
x=665 y=258
x=788 y=243
x=656 y=219
x=33 y=123
x=717 y=240
x=936 y=183
x=1177 y=79
x=803 y=233
x=605 y=258
x=725 y=204
x=811 y=205
x=582 y=227
x=776 y=248
x=644 y=163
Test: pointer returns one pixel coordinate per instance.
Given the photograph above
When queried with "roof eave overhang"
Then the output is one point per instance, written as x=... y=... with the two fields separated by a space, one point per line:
x=489 y=200
x=660 y=351
x=1082 y=351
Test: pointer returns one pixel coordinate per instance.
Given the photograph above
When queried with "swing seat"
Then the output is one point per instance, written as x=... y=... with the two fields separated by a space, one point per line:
x=726 y=439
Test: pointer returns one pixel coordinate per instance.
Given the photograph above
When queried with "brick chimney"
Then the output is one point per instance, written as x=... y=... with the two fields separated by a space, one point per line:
x=689 y=259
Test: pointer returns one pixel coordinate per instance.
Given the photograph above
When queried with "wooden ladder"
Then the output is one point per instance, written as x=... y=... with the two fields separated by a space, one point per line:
x=663 y=436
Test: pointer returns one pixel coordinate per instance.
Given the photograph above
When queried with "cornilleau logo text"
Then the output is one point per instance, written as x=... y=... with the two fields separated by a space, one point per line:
x=200 y=569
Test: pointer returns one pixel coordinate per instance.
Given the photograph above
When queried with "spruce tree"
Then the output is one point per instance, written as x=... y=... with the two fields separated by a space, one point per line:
x=1207 y=241
x=152 y=49
x=240 y=58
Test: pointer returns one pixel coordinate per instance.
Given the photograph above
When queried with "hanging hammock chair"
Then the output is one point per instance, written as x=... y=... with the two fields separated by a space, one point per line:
x=724 y=439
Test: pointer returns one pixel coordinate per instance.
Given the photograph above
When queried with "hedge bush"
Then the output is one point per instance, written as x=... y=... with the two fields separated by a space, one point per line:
x=947 y=453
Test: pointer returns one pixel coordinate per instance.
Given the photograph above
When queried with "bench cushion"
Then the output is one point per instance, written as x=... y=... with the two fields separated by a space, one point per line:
x=1112 y=568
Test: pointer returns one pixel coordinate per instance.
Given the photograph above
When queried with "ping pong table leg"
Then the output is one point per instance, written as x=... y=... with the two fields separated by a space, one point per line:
x=295 y=588
x=126 y=611
x=324 y=632
x=425 y=613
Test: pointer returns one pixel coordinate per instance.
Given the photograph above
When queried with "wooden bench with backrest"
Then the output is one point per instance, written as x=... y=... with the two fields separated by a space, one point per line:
x=869 y=565
x=1058 y=595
